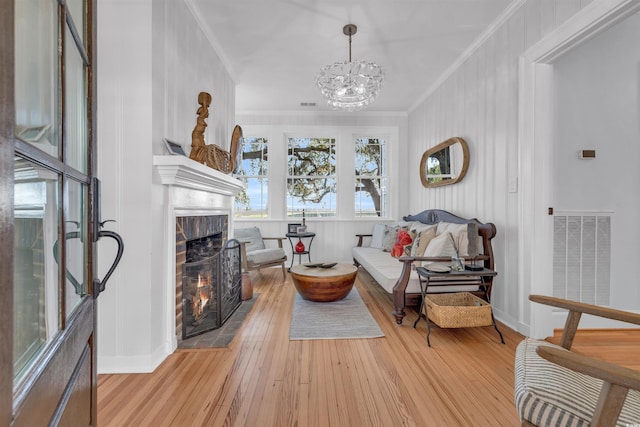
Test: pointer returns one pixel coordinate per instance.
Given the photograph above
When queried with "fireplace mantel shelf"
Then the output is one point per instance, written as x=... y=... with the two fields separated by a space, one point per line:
x=183 y=172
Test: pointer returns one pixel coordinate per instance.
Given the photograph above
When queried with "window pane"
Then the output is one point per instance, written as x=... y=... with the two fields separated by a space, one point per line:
x=312 y=157
x=254 y=157
x=252 y=202
x=371 y=197
x=77 y=244
x=311 y=184
x=75 y=106
x=36 y=291
x=371 y=182
x=317 y=196
x=36 y=74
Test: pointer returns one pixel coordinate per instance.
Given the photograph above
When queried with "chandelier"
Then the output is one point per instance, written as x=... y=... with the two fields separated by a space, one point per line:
x=350 y=86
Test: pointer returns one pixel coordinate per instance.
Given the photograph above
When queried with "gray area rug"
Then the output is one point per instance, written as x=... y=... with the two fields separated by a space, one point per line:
x=347 y=318
x=222 y=336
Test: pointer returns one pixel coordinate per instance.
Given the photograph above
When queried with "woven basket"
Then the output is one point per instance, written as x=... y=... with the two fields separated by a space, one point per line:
x=459 y=310
x=219 y=159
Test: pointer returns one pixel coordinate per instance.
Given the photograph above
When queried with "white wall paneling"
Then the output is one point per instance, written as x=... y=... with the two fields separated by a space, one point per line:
x=124 y=308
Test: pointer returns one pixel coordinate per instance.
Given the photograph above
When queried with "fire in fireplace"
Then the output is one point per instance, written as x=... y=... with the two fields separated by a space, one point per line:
x=211 y=284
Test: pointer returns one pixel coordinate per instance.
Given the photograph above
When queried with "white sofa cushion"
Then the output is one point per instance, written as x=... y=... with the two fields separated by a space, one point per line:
x=386 y=270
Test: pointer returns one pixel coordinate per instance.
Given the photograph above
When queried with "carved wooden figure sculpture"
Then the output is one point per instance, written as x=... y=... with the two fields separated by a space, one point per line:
x=198 y=147
x=211 y=155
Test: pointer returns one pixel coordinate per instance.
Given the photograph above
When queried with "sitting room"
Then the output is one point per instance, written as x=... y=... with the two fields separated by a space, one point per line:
x=332 y=214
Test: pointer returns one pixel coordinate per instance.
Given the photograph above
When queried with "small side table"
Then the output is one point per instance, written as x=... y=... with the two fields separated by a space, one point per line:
x=307 y=246
x=425 y=277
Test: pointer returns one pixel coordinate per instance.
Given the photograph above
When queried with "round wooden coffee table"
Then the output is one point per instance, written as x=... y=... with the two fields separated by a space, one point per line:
x=324 y=284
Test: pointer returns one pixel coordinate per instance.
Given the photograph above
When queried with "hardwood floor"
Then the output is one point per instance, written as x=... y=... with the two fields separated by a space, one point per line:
x=263 y=379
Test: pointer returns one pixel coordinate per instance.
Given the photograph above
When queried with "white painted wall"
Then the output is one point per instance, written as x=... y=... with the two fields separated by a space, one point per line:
x=596 y=95
x=124 y=145
x=153 y=60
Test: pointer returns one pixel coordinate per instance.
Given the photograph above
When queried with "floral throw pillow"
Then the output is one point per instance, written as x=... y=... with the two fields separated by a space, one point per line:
x=403 y=238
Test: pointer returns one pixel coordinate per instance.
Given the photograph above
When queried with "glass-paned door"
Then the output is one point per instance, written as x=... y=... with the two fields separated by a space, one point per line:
x=46 y=148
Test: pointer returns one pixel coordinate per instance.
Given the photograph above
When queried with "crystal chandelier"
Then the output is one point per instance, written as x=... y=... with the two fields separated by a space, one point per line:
x=350 y=86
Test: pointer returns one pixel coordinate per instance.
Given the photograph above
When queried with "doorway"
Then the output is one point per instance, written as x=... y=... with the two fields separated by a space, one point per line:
x=536 y=146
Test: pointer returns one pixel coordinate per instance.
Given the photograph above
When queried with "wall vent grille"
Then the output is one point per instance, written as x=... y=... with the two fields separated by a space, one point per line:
x=582 y=257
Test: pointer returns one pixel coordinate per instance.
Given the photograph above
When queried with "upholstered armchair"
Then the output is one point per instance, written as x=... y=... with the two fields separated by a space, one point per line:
x=255 y=254
x=555 y=386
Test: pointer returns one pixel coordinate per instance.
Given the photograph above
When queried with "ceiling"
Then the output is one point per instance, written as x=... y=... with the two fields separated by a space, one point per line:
x=273 y=49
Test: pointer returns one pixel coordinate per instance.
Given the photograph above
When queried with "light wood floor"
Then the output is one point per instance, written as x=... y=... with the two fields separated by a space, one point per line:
x=263 y=379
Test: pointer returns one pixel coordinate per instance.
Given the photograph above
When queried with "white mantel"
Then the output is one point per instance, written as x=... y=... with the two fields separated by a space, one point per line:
x=184 y=172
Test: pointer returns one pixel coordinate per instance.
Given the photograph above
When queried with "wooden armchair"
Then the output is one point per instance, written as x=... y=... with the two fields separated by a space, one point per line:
x=255 y=254
x=555 y=386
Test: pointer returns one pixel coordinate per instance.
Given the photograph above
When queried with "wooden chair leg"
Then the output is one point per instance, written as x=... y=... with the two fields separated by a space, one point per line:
x=284 y=272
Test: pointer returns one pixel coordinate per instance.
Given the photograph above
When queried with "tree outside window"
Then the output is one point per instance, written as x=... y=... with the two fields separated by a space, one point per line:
x=252 y=202
x=371 y=197
x=311 y=179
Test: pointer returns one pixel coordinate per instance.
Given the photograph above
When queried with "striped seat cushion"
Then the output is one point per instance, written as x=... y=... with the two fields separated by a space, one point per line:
x=547 y=394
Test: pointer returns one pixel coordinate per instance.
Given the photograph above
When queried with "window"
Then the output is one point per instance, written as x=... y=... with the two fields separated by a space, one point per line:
x=311 y=177
x=252 y=202
x=371 y=197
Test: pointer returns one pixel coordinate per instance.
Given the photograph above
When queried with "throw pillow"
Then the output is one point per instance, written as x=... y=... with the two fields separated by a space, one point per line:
x=389 y=238
x=460 y=236
x=418 y=227
x=376 y=236
x=407 y=249
x=403 y=238
x=441 y=246
x=421 y=242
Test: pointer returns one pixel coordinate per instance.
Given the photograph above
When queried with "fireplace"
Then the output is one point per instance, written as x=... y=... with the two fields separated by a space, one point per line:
x=208 y=274
x=199 y=202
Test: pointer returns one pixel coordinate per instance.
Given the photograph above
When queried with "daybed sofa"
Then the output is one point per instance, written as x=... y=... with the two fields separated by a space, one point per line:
x=398 y=277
